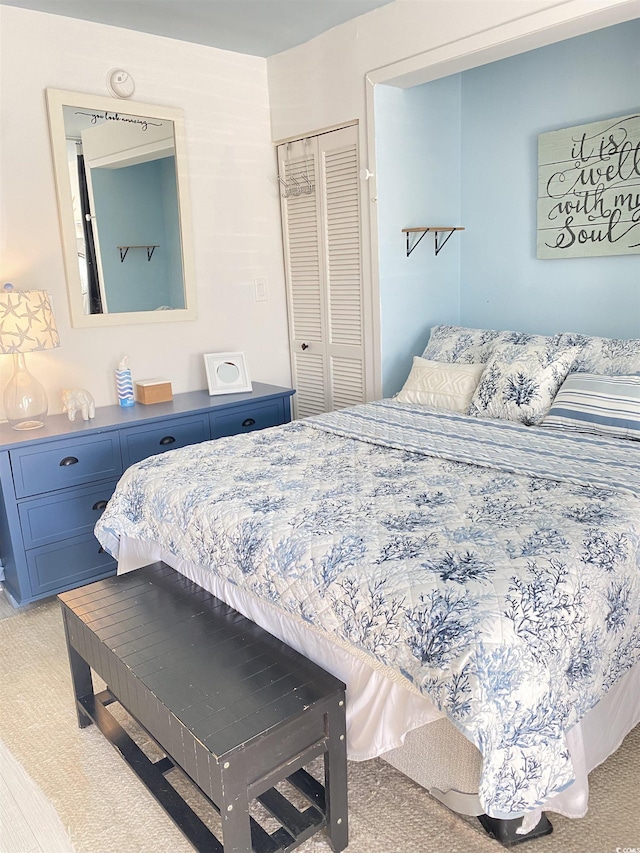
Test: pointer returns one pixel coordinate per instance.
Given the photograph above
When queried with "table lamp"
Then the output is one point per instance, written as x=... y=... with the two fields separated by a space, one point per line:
x=26 y=325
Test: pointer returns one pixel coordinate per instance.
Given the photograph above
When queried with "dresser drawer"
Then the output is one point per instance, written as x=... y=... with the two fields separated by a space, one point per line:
x=60 y=464
x=65 y=565
x=247 y=418
x=139 y=442
x=64 y=514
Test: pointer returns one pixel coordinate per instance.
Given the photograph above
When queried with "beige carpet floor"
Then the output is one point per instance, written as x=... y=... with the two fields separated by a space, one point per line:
x=107 y=810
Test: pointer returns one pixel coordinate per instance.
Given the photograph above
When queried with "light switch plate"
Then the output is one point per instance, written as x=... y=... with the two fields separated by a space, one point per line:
x=260 y=285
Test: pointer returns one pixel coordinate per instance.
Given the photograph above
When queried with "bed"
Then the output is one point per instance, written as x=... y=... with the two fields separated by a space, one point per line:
x=466 y=557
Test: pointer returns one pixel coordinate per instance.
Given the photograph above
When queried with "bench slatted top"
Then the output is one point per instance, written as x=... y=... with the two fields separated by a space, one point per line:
x=224 y=677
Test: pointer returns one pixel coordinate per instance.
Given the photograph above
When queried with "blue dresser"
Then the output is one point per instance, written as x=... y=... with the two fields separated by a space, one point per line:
x=56 y=481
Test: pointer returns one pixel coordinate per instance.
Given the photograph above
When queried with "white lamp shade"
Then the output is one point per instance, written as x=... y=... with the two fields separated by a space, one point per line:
x=26 y=322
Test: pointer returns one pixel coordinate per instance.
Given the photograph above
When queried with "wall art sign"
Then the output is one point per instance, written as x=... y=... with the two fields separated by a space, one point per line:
x=589 y=189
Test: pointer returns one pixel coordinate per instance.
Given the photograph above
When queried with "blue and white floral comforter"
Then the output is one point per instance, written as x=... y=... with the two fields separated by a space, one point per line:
x=493 y=566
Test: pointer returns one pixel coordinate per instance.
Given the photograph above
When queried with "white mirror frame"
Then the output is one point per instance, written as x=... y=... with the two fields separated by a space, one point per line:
x=56 y=100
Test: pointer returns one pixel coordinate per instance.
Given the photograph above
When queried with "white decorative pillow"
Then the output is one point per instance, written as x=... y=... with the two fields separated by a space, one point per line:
x=604 y=405
x=519 y=383
x=440 y=385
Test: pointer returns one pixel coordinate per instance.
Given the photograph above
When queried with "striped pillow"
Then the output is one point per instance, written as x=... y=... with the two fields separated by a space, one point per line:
x=607 y=405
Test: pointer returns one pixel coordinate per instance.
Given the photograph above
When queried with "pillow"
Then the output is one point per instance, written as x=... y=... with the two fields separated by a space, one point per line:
x=604 y=356
x=606 y=405
x=456 y=344
x=519 y=383
x=460 y=345
x=440 y=385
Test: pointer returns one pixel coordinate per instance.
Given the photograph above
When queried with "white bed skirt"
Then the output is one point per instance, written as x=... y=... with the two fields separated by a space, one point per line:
x=381 y=712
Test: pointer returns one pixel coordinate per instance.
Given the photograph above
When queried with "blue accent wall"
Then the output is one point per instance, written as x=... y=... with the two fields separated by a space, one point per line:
x=505 y=105
x=418 y=184
x=132 y=210
x=483 y=125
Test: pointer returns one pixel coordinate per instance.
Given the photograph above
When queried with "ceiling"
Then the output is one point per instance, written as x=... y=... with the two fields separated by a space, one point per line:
x=256 y=27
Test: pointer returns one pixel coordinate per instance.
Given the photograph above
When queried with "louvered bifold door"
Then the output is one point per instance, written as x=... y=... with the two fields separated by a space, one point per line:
x=338 y=160
x=321 y=228
x=301 y=218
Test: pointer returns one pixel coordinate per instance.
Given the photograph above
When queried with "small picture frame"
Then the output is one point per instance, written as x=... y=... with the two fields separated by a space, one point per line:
x=227 y=372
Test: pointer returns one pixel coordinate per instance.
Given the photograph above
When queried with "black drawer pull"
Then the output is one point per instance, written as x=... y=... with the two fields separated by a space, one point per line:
x=168 y=439
x=248 y=422
x=100 y=505
x=68 y=460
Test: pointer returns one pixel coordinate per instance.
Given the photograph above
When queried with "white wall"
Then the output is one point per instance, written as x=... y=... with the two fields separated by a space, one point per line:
x=234 y=200
x=321 y=83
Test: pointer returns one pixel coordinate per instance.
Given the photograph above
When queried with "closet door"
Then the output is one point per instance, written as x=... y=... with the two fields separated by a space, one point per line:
x=321 y=225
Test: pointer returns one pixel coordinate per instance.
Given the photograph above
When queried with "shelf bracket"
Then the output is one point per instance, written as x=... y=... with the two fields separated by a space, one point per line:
x=439 y=246
x=411 y=248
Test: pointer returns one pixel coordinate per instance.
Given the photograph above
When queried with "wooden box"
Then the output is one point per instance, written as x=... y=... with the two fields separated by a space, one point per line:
x=153 y=391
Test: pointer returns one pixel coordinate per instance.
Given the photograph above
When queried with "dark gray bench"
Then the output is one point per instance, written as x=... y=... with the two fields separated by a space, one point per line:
x=236 y=709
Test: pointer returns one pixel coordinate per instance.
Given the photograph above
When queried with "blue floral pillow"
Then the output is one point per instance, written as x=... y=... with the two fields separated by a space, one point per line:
x=458 y=344
x=519 y=383
x=604 y=356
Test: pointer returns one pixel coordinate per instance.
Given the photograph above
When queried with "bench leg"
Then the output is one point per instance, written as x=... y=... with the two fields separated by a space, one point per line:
x=81 y=680
x=234 y=808
x=335 y=777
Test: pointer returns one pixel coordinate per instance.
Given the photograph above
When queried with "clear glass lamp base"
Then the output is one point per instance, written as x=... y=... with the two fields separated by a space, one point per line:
x=25 y=400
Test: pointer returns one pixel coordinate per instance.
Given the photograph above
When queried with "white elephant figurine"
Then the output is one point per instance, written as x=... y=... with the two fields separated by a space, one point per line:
x=78 y=400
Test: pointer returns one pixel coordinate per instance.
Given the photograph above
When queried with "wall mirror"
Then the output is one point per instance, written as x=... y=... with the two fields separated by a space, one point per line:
x=121 y=179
